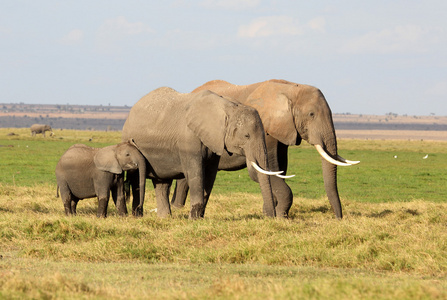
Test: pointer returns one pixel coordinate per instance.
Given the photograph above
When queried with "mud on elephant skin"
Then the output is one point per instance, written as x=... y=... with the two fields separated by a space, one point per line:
x=290 y=113
x=185 y=135
x=85 y=172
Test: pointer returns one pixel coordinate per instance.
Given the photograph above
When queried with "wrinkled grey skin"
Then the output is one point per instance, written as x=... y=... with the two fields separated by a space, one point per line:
x=184 y=136
x=85 y=172
x=40 y=128
x=290 y=113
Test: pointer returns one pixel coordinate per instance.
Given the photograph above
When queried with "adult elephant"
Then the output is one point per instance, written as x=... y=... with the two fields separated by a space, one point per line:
x=40 y=128
x=184 y=136
x=289 y=112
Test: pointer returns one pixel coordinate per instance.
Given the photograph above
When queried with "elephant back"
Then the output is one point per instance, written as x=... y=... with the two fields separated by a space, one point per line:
x=160 y=111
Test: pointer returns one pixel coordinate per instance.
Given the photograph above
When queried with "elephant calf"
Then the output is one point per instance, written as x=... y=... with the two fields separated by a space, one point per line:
x=85 y=172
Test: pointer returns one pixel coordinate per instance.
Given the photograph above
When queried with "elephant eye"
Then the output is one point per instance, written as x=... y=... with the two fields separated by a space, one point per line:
x=247 y=135
x=311 y=114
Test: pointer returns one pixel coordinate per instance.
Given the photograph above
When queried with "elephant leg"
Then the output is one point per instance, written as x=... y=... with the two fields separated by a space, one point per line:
x=162 y=196
x=74 y=203
x=66 y=197
x=200 y=177
x=118 y=196
x=103 y=202
x=180 y=193
x=277 y=158
x=282 y=195
x=133 y=178
x=197 y=197
x=210 y=177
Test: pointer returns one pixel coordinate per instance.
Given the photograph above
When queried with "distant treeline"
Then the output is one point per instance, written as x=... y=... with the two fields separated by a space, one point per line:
x=59 y=108
x=117 y=124
x=63 y=123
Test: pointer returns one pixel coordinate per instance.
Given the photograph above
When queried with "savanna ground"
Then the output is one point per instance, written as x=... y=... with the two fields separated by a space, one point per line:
x=392 y=242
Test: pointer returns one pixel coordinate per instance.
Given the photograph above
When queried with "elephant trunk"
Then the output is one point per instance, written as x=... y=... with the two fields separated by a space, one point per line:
x=263 y=180
x=142 y=182
x=330 y=184
x=330 y=179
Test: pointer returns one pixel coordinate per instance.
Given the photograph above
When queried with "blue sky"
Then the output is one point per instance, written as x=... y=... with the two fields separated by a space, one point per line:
x=370 y=57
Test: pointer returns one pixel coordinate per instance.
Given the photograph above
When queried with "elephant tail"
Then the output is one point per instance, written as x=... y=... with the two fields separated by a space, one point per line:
x=57 y=191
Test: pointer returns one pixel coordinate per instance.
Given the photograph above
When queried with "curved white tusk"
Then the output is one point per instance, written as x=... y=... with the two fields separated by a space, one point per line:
x=351 y=162
x=285 y=176
x=260 y=170
x=329 y=158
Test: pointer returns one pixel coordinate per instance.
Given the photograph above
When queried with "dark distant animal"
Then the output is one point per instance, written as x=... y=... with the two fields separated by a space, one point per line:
x=40 y=128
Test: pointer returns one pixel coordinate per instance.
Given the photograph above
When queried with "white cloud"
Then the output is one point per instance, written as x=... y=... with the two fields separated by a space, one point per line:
x=270 y=26
x=112 y=31
x=409 y=38
x=438 y=89
x=318 y=24
x=4 y=30
x=73 y=37
x=280 y=26
x=231 y=4
x=118 y=28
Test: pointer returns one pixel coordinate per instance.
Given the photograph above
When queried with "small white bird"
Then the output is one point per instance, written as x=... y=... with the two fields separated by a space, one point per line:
x=425 y=157
x=395 y=156
x=153 y=210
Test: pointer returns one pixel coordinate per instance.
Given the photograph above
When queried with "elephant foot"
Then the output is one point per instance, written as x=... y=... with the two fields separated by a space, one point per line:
x=197 y=211
x=163 y=214
x=281 y=214
x=122 y=214
x=137 y=212
x=177 y=206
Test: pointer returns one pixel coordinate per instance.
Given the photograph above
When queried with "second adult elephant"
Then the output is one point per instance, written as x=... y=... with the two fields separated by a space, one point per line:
x=290 y=113
x=184 y=136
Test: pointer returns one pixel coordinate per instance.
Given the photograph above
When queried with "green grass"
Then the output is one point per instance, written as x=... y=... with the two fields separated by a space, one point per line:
x=378 y=178
x=390 y=244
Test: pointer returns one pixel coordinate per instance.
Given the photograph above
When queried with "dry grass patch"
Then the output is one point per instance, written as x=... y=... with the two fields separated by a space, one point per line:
x=380 y=251
x=401 y=237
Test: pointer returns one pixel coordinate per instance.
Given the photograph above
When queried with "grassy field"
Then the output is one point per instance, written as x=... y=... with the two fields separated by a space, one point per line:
x=390 y=245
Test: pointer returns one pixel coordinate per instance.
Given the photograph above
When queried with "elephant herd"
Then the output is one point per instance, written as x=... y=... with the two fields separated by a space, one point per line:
x=189 y=137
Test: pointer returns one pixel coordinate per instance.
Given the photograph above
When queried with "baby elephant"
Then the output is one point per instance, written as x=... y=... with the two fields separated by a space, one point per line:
x=85 y=172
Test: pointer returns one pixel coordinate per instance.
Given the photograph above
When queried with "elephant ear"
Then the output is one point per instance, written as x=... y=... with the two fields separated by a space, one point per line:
x=275 y=110
x=206 y=117
x=105 y=160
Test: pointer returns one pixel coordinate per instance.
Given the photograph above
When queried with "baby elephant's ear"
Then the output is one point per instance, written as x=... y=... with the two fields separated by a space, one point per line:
x=105 y=160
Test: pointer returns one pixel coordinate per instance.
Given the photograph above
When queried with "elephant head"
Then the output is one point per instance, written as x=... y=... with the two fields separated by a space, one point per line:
x=123 y=157
x=223 y=125
x=290 y=113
